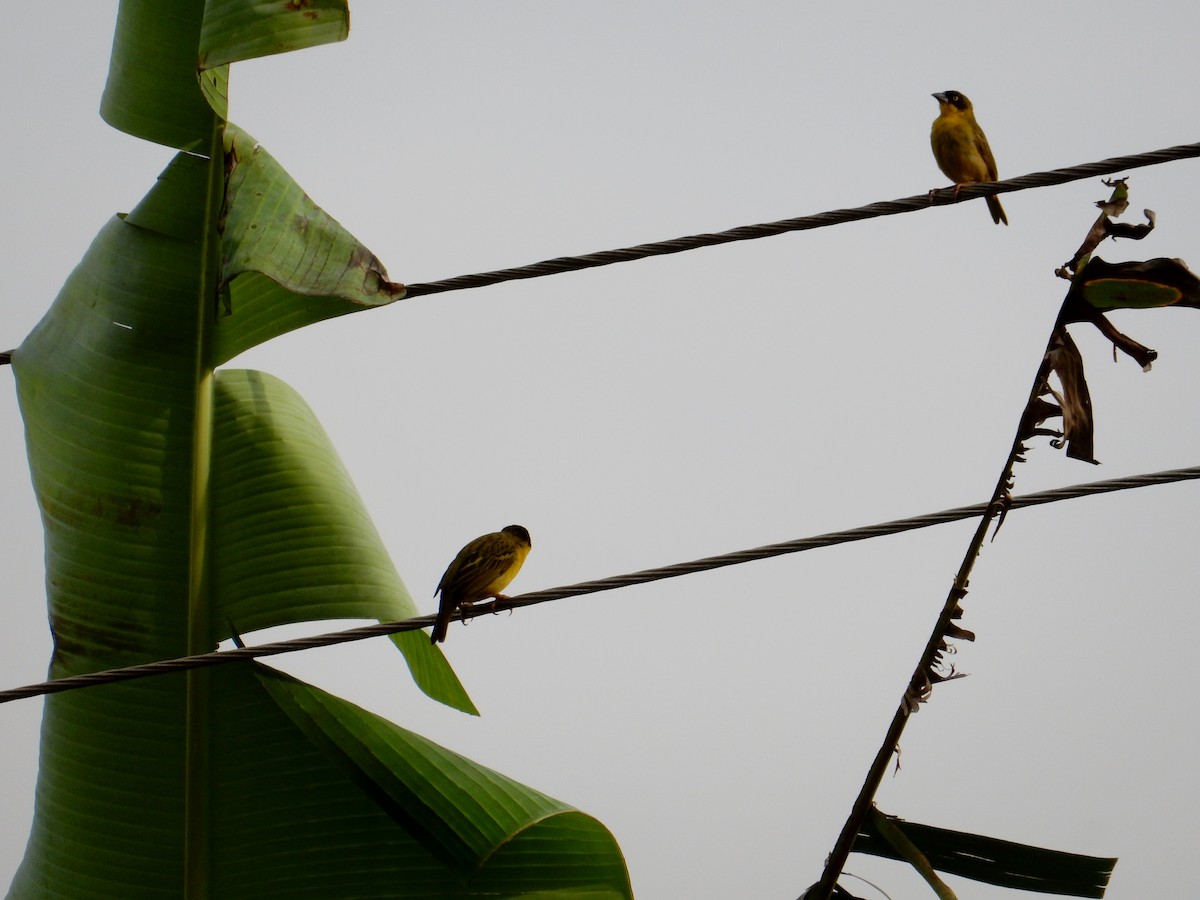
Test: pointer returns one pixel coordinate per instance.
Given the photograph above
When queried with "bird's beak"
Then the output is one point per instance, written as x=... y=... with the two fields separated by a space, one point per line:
x=940 y=98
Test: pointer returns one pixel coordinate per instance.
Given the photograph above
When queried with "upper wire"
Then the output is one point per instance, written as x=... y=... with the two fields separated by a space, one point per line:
x=805 y=223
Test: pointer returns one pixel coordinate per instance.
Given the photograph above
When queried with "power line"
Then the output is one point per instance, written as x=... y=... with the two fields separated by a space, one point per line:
x=805 y=223
x=675 y=570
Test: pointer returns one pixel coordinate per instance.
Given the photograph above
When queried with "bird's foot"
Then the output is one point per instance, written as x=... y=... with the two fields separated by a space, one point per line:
x=934 y=192
x=495 y=599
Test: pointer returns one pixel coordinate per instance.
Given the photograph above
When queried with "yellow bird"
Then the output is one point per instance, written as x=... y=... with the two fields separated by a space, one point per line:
x=481 y=570
x=961 y=148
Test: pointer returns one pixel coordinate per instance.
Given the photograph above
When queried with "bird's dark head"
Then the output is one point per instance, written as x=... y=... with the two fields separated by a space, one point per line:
x=520 y=532
x=953 y=98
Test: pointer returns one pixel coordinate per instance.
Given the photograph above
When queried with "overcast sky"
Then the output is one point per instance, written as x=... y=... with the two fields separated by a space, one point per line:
x=721 y=724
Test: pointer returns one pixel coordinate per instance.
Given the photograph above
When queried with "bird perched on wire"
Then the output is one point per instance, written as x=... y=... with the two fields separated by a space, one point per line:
x=481 y=570
x=961 y=148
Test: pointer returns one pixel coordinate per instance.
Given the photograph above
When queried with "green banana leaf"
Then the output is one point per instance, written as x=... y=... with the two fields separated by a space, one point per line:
x=289 y=536
x=410 y=835
x=152 y=90
x=354 y=807
x=236 y=29
x=285 y=262
x=176 y=499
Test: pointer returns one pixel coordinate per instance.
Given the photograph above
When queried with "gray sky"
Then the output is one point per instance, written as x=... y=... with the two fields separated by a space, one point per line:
x=658 y=411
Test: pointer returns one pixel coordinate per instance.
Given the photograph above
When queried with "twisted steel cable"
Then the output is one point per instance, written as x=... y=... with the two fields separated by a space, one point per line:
x=675 y=570
x=804 y=223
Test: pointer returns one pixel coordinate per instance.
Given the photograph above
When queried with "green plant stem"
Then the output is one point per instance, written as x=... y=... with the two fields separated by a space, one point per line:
x=199 y=639
x=907 y=849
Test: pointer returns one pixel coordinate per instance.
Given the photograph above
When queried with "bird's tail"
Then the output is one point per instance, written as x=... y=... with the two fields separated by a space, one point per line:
x=996 y=209
x=440 y=627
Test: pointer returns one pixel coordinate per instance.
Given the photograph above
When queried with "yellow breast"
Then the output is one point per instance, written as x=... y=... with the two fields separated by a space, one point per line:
x=957 y=149
x=502 y=580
